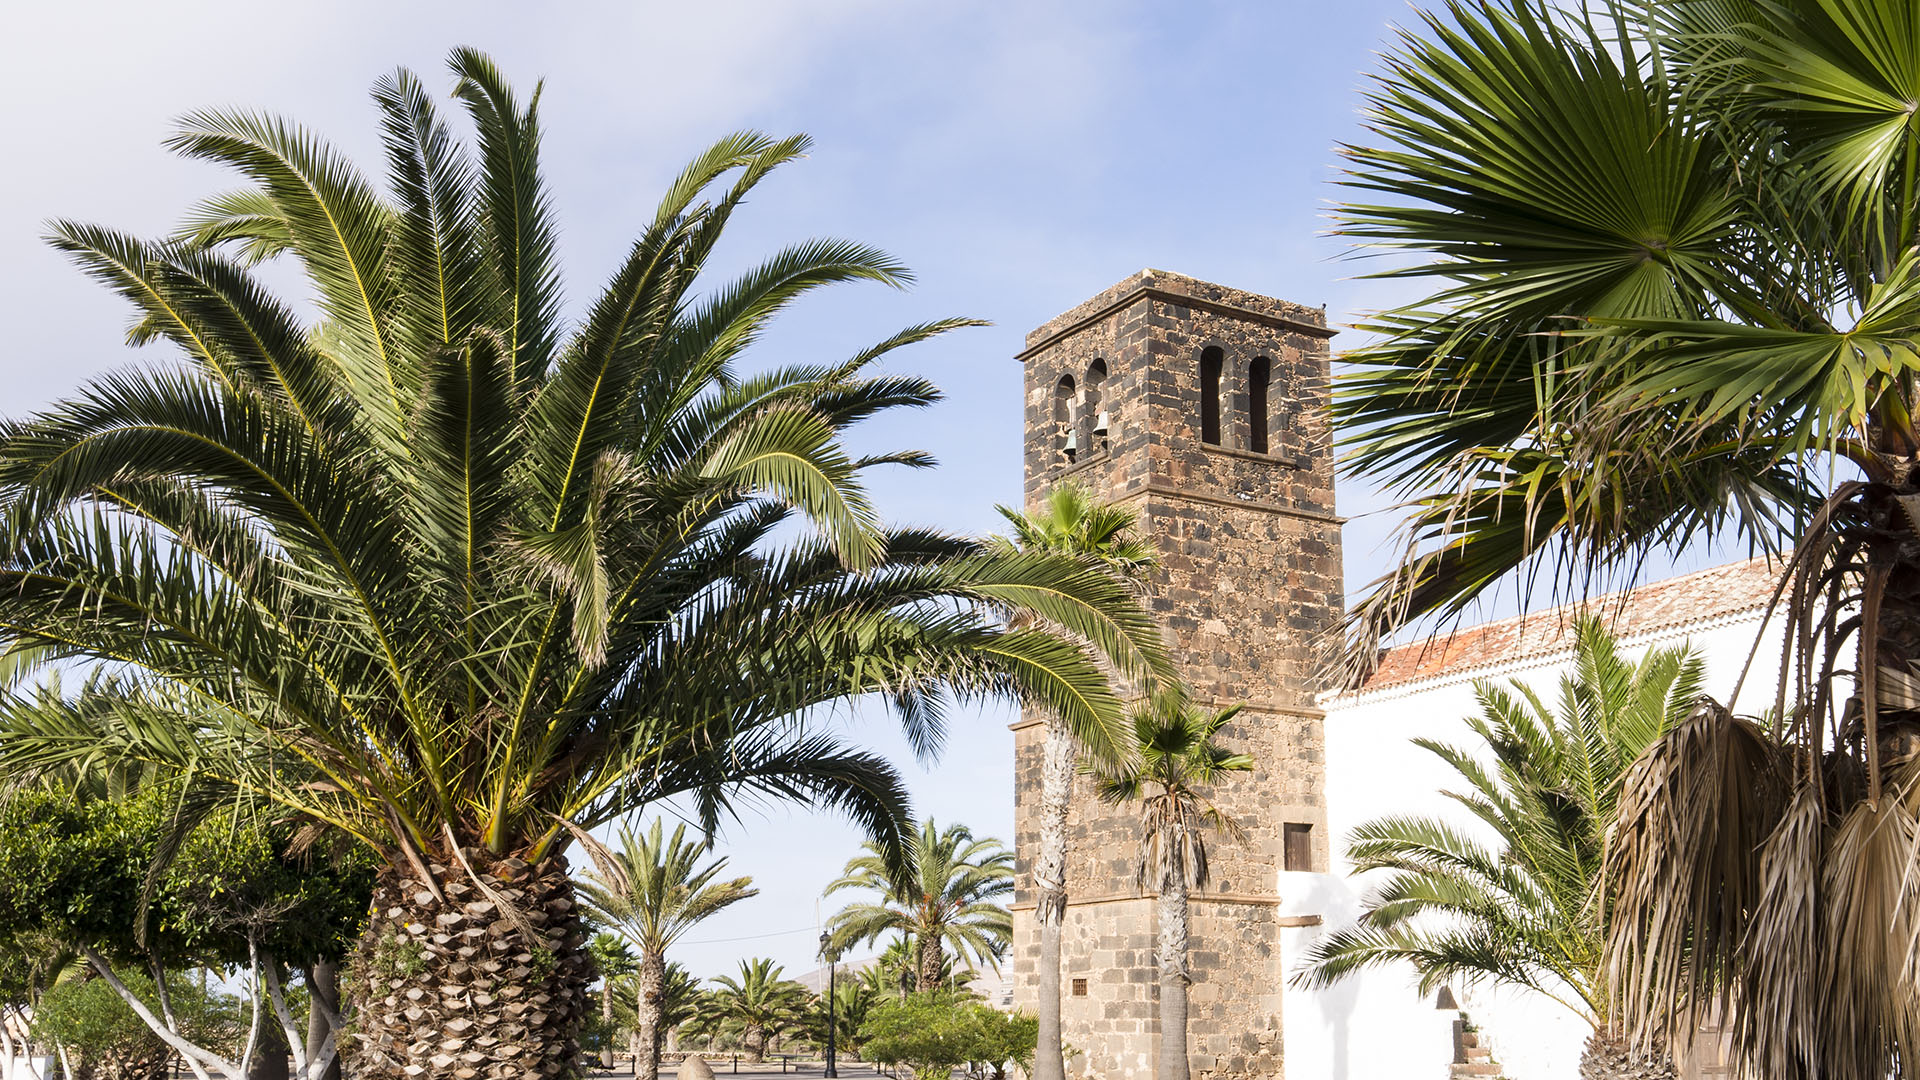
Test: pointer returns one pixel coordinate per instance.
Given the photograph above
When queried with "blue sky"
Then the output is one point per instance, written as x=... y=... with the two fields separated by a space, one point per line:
x=1019 y=156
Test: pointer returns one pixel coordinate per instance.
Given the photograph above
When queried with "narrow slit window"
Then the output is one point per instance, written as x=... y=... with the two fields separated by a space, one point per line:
x=1299 y=845
x=1258 y=376
x=1210 y=396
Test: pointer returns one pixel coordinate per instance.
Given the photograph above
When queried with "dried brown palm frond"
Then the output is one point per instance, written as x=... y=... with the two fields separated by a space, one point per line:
x=1679 y=862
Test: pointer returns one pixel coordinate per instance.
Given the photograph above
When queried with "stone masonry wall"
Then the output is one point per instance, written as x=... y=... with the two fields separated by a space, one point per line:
x=1248 y=589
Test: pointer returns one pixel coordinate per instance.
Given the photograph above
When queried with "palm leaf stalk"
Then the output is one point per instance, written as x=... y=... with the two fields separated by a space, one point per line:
x=1672 y=296
x=1509 y=891
x=1069 y=521
x=655 y=889
x=949 y=899
x=436 y=571
x=1177 y=761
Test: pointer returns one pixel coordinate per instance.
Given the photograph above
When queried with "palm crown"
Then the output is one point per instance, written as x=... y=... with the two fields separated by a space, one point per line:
x=655 y=888
x=1513 y=893
x=438 y=571
x=1176 y=761
x=948 y=899
x=1072 y=521
x=1674 y=249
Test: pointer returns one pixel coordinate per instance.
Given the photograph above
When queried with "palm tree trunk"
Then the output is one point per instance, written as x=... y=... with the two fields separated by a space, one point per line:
x=606 y=1020
x=653 y=981
x=1050 y=892
x=755 y=1037
x=1171 y=909
x=1609 y=1056
x=928 y=977
x=457 y=990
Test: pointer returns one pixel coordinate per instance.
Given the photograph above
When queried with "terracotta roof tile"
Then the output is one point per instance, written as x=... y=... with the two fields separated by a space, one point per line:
x=1650 y=609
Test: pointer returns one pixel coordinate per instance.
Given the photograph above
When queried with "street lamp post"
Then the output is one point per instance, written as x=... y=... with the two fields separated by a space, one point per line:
x=830 y=954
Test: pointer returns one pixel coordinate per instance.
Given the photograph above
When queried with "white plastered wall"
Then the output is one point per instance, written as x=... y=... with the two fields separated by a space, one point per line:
x=1375 y=1026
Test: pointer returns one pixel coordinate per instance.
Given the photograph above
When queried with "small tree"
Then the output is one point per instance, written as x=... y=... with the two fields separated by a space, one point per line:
x=99 y=1036
x=91 y=875
x=1071 y=521
x=935 y=1033
x=612 y=959
x=1178 y=761
x=755 y=1008
x=948 y=899
x=655 y=889
x=1531 y=909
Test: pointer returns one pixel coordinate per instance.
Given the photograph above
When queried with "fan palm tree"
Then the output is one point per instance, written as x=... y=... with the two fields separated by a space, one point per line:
x=655 y=888
x=948 y=897
x=756 y=1007
x=1069 y=521
x=436 y=571
x=1676 y=294
x=1522 y=910
x=1174 y=764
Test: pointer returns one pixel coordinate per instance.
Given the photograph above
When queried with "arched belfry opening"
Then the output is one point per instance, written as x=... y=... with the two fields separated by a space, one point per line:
x=1094 y=405
x=1063 y=393
x=1211 y=359
x=1259 y=377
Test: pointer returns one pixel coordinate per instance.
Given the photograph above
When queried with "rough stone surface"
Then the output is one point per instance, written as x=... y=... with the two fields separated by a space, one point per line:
x=1248 y=588
x=695 y=1068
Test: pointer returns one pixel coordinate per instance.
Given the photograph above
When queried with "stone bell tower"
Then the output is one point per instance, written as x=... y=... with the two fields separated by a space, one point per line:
x=1203 y=408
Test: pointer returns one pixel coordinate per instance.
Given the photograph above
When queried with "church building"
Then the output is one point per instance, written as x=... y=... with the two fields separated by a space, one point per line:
x=1205 y=410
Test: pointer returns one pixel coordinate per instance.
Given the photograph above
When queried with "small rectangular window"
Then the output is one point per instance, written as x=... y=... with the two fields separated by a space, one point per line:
x=1299 y=845
x=1079 y=988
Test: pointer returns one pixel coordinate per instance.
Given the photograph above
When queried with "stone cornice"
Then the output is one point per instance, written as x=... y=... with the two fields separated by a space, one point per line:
x=1166 y=489
x=1157 y=292
x=1242 y=899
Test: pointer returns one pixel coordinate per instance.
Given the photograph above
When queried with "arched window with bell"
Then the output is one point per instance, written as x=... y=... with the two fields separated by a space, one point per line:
x=1093 y=407
x=1063 y=402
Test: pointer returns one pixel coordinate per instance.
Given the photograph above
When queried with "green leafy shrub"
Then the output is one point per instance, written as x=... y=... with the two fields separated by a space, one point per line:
x=91 y=1021
x=933 y=1034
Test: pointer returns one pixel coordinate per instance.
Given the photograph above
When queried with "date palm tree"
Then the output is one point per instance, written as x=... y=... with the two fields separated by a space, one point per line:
x=1511 y=891
x=655 y=888
x=434 y=570
x=1675 y=298
x=948 y=898
x=1174 y=765
x=1069 y=521
x=755 y=1008
x=679 y=996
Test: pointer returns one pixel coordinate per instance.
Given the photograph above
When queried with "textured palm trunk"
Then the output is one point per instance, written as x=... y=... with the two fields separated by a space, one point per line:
x=653 y=985
x=1171 y=910
x=927 y=976
x=460 y=990
x=755 y=1038
x=1050 y=892
x=1609 y=1056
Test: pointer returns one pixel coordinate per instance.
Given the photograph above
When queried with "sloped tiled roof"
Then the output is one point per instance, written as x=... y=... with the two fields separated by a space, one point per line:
x=1657 y=608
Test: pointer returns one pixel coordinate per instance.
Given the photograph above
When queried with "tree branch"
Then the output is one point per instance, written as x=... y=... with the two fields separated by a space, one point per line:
x=197 y=1058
